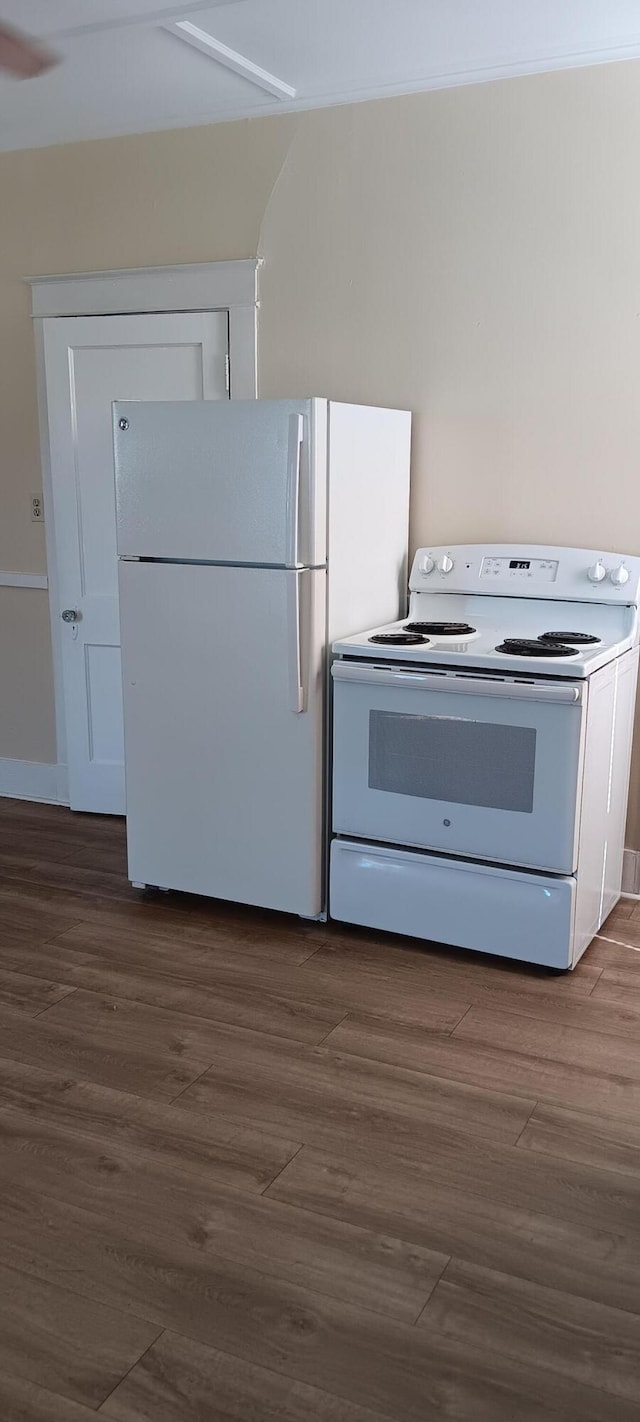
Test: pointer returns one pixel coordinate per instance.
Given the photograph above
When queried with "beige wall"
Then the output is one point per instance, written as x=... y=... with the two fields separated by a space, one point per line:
x=472 y=254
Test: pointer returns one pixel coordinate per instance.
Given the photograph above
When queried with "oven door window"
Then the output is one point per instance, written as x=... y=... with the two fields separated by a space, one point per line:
x=450 y=758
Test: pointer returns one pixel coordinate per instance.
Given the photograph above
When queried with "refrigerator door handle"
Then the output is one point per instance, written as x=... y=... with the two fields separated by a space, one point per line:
x=296 y=683
x=296 y=434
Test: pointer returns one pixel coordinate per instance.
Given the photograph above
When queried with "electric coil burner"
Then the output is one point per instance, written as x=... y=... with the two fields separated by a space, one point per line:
x=534 y=647
x=441 y=629
x=577 y=639
x=399 y=639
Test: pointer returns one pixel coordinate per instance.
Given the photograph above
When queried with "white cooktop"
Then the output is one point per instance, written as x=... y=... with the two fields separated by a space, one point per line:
x=519 y=592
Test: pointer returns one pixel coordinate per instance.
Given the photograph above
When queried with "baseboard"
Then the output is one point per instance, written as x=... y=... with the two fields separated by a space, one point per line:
x=631 y=872
x=34 y=780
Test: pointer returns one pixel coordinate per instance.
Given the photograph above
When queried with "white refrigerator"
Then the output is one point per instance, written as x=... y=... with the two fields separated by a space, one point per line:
x=251 y=535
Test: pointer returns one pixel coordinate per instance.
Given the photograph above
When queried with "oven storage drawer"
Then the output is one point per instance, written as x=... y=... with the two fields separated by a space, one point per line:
x=477 y=906
x=474 y=765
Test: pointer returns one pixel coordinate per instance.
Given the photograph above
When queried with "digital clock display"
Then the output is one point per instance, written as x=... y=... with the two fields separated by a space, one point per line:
x=520 y=563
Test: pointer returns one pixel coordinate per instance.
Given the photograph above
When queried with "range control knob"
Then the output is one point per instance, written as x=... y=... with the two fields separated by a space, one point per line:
x=619 y=576
x=597 y=572
x=445 y=563
x=427 y=564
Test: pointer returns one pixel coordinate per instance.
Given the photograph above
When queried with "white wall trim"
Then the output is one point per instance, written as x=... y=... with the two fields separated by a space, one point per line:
x=204 y=286
x=50 y=541
x=23 y=580
x=243 y=352
x=631 y=871
x=34 y=780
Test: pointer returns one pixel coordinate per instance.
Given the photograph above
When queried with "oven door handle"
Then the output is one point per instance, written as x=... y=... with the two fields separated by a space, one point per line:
x=458 y=685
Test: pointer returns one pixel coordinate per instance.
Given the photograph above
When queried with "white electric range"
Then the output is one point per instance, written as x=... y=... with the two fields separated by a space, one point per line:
x=482 y=749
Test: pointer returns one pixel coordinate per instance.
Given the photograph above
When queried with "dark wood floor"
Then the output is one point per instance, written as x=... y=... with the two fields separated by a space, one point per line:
x=253 y=1170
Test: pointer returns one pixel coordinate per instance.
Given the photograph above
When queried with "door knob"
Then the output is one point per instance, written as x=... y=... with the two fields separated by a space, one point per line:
x=70 y=614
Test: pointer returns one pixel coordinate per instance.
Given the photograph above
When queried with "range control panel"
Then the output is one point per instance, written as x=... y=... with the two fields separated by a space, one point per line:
x=543 y=570
x=506 y=570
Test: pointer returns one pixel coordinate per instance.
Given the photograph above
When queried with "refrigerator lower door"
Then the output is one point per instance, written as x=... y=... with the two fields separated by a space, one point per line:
x=224 y=715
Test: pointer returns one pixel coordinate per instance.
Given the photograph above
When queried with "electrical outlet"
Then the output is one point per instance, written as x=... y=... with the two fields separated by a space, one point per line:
x=37 y=510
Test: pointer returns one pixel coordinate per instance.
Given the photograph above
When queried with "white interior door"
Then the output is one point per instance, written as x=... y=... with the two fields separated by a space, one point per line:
x=89 y=362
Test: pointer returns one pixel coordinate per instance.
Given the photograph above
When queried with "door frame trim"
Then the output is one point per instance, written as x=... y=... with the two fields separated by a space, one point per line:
x=135 y=291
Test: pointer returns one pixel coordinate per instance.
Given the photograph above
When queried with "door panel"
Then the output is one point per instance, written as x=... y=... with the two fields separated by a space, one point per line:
x=241 y=465
x=224 y=771
x=91 y=361
x=482 y=773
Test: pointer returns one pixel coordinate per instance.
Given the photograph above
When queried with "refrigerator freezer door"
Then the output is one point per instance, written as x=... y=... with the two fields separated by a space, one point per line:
x=224 y=710
x=222 y=483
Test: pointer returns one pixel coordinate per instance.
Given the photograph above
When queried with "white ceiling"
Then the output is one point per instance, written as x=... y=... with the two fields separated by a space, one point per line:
x=122 y=71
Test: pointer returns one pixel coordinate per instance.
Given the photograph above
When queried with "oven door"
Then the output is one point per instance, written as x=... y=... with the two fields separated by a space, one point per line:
x=473 y=765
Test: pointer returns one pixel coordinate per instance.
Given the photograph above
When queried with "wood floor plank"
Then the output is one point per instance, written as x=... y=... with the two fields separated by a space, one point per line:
x=256 y=998
x=621 y=954
x=37 y=844
x=22 y=1401
x=316 y=1095
x=620 y=987
x=31 y=924
x=241 y=963
x=485 y=1061
x=625 y=912
x=435 y=1010
x=224 y=1151
x=61 y=818
x=65 y=874
x=175 y=1372
x=608 y=1143
x=270 y=1138
x=52 y=1337
x=147 y=916
x=107 y=1050
x=397 y=1197
x=576 y=1338
x=373 y=1361
x=9 y=862
x=191 y=935
x=406 y=1377
x=625 y=908
x=597 y=1052
x=200 y=1221
x=27 y=994
x=178 y=1378
x=589 y=1013
x=144 y=968
x=170 y=1030
x=357 y=957
x=617 y=943
x=509 y=1177
x=265 y=933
